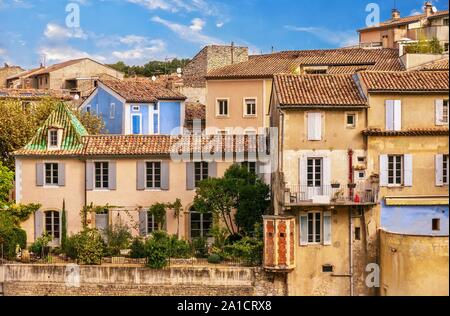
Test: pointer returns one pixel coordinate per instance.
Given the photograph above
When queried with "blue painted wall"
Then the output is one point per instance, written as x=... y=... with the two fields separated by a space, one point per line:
x=100 y=105
x=170 y=117
x=414 y=220
x=143 y=110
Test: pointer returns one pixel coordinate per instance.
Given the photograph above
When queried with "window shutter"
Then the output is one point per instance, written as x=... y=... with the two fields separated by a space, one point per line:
x=397 y=115
x=112 y=173
x=61 y=174
x=318 y=126
x=140 y=175
x=439 y=170
x=39 y=174
x=326 y=171
x=143 y=223
x=439 y=111
x=408 y=170
x=165 y=175
x=212 y=169
x=38 y=224
x=311 y=128
x=383 y=170
x=303 y=175
x=190 y=176
x=327 y=228
x=303 y=230
x=389 y=115
x=89 y=175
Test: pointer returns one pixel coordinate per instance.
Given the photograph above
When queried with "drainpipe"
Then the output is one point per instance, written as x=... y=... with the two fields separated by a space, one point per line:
x=350 y=173
x=350 y=249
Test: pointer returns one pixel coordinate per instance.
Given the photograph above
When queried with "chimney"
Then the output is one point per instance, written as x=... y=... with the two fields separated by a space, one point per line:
x=395 y=14
x=428 y=8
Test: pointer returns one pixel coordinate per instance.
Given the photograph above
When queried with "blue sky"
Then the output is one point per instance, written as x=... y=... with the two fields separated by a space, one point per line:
x=137 y=31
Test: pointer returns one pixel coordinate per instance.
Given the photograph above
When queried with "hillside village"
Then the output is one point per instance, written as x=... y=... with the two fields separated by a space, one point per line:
x=344 y=151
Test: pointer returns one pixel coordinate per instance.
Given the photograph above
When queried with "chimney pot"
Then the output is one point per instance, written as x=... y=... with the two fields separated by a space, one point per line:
x=395 y=14
x=428 y=8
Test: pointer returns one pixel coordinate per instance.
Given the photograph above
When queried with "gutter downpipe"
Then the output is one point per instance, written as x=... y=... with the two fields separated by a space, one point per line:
x=280 y=157
x=350 y=224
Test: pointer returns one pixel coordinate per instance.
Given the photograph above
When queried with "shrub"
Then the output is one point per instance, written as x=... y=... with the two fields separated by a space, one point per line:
x=200 y=247
x=118 y=238
x=157 y=253
x=137 y=248
x=10 y=238
x=39 y=246
x=214 y=258
x=179 y=248
x=248 y=249
x=87 y=247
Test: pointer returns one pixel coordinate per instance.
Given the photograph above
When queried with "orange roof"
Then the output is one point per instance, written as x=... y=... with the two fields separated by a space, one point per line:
x=413 y=81
x=265 y=66
x=195 y=111
x=408 y=132
x=142 y=90
x=318 y=90
x=441 y=64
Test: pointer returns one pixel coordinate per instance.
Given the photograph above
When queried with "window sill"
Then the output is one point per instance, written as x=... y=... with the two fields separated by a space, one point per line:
x=51 y=186
x=153 y=190
x=250 y=116
x=102 y=190
x=222 y=116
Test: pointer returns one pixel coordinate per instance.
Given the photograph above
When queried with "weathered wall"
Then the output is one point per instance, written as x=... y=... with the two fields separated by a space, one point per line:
x=43 y=280
x=414 y=265
x=7 y=71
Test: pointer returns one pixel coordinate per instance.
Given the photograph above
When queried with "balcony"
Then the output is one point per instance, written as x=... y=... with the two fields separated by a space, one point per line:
x=440 y=32
x=302 y=195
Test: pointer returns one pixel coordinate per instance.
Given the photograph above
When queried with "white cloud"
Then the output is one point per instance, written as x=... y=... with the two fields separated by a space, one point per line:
x=415 y=12
x=340 y=38
x=141 y=49
x=57 y=32
x=3 y=52
x=197 y=24
x=58 y=54
x=181 y=5
x=155 y=4
x=220 y=24
x=23 y=4
x=188 y=33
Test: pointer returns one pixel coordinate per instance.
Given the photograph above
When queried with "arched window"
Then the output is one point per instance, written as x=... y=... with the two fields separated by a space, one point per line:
x=52 y=224
x=200 y=224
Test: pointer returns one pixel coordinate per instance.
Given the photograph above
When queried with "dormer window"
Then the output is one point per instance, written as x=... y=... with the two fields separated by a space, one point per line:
x=53 y=139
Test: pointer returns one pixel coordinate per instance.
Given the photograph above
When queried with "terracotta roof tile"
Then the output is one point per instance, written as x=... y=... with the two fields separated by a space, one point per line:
x=195 y=111
x=441 y=64
x=318 y=90
x=414 y=81
x=408 y=132
x=265 y=66
x=142 y=90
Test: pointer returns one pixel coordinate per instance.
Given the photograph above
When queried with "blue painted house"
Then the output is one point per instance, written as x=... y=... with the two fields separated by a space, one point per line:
x=137 y=107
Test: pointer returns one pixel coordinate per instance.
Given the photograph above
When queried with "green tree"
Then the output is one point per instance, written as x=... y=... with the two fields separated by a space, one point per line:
x=63 y=227
x=6 y=183
x=151 y=68
x=158 y=210
x=177 y=208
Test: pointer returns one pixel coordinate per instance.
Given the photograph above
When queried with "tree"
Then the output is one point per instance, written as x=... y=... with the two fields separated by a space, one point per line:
x=63 y=227
x=238 y=190
x=177 y=207
x=158 y=210
x=6 y=183
x=18 y=124
x=151 y=68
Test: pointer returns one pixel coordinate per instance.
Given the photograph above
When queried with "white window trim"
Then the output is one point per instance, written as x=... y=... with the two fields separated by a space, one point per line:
x=44 y=218
x=50 y=186
x=402 y=169
x=93 y=175
x=58 y=140
x=314 y=228
x=244 y=107
x=151 y=113
x=355 y=123
x=112 y=111
x=135 y=108
x=140 y=123
x=152 y=189
x=218 y=115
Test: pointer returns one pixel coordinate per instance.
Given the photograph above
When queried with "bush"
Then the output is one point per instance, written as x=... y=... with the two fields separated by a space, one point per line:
x=179 y=248
x=10 y=238
x=40 y=245
x=118 y=238
x=137 y=248
x=200 y=247
x=248 y=249
x=87 y=247
x=214 y=258
x=157 y=253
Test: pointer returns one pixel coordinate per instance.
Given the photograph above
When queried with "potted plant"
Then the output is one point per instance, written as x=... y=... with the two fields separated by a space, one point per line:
x=335 y=184
x=351 y=185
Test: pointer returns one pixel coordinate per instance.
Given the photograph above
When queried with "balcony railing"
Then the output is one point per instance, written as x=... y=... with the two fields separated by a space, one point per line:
x=328 y=194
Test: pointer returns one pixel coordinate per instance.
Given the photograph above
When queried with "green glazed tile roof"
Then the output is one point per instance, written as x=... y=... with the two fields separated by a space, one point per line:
x=73 y=131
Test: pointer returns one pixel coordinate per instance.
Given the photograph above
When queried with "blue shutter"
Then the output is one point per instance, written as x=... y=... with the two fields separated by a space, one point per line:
x=38 y=224
x=112 y=175
x=89 y=175
x=140 y=175
x=61 y=174
x=165 y=175
x=136 y=124
x=143 y=223
x=39 y=174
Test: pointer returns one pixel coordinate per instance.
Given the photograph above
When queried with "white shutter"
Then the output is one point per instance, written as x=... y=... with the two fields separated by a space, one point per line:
x=439 y=170
x=302 y=172
x=389 y=115
x=383 y=170
x=311 y=128
x=408 y=170
x=397 y=115
x=318 y=126
x=439 y=112
x=327 y=228
x=326 y=171
x=303 y=230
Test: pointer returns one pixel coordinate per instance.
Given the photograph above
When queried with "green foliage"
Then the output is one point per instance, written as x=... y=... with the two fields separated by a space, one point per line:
x=214 y=259
x=40 y=244
x=200 y=247
x=157 y=256
x=6 y=182
x=151 y=68
x=179 y=248
x=19 y=212
x=118 y=238
x=11 y=235
x=87 y=247
x=137 y=248
x=220 y=235
x=63 y=227
x=158 y=210
x=424 y=46
x=248 y=249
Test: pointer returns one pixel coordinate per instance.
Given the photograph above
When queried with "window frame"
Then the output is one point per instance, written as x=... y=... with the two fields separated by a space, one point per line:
x=314 y=172
x=154 y=225
x=218 y=115
x=52 y=224
x=249 y=165
x=102 y=175
x=314 y=226
x=445 y=108
x=351 y=114
x=396 y=170
x=140 y=123
x=51 y=133
x=201 y=222
x=154 y=109
x=202 y=169
x=245 y=107
x=153 y=188
x=52 y=163
x=445 y=169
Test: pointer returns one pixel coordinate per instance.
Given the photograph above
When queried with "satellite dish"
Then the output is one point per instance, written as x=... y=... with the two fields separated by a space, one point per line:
x=76 y=97
x=153 y=78
x=434 y=9
x=179 y=71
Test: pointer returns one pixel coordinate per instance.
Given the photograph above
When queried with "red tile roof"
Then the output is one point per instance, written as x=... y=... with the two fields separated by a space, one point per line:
x=195 y=111
x=441 y=64
x=318 y=90
x=142 y=90
x=265 y=66
x=408 y=132
x=413 y=81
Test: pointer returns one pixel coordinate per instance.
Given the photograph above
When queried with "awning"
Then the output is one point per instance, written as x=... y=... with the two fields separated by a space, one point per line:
x=416 y=200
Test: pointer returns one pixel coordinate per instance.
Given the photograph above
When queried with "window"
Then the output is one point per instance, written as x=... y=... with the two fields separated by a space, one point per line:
x=152 y=224
x=357 y=233
x=136 y=120
x=136 y=108
x=436 y=224
x=360 y=175
x=53 y=138
x=155 y=117
x=351 y=120
x=393 y=115
x=88 y=108
x=361 y=159
x=314 y=172
x=200 y=224
x=250 y=107
x=201 y=172
x=222 y=107
x=102 y=175
x=446 y=47
x=314 y=126
x=395 y=170
x=112 y=111
x=250 y=165
x=315 y=71
x=153 y=172
x=51 y=174
x=52 y=224
x=327 y=268
x=314 y=227
x=445 y=162
x=445 y=112
x=445 y=22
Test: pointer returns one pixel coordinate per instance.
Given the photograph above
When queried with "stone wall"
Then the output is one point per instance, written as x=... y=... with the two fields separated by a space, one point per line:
x=58 y=280
x=7 y=71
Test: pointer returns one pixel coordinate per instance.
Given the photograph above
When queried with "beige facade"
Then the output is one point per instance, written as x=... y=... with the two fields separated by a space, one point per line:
x=6 y=72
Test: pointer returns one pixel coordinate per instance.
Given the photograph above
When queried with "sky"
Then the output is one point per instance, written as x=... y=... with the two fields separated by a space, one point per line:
x=136 y=31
